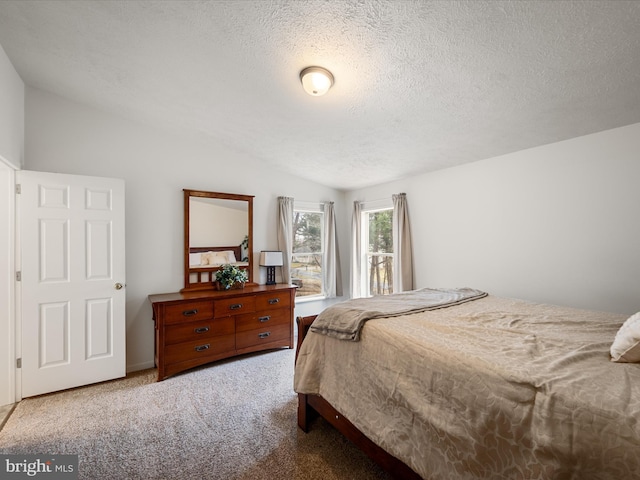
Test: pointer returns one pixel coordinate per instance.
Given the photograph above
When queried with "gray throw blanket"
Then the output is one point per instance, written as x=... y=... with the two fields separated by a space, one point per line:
x=344 y=320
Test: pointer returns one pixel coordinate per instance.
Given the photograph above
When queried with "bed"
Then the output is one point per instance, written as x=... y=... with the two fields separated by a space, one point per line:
x=486 y=388
x=205 y=261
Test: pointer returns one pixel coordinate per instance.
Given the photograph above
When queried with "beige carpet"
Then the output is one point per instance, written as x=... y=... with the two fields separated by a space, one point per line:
x=231 y=420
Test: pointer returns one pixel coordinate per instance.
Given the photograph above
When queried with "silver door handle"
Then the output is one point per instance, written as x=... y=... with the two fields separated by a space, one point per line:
x=119 y=286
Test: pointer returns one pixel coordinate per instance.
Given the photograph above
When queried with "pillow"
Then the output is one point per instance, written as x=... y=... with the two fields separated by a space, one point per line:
x=207 y=258
x=231 y=257
x=195 y=258
x=626 y=345
x=217 y=258
x=204 y=258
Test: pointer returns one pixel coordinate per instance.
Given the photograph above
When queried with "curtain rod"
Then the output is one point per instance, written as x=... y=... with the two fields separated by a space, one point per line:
x=390 y=198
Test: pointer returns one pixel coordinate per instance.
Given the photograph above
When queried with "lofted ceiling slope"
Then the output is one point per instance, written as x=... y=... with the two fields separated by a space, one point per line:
x=420 y=85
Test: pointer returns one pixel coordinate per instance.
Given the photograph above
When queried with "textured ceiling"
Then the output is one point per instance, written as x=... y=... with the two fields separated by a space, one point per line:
x=419 y=85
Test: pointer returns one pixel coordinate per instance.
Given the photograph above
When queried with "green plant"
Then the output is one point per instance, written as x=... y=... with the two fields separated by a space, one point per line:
x=229 y=275
x=245 y=246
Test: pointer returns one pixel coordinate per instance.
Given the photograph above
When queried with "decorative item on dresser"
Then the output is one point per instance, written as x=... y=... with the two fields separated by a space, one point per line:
x=230 y=276
x=271 y=260
x=195 y=328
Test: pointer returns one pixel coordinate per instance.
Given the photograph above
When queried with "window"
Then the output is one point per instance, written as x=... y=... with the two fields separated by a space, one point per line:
x=306 y=262
x=377 y=248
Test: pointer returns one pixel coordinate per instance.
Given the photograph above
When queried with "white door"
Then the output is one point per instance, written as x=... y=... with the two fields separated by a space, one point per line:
x=72 y=263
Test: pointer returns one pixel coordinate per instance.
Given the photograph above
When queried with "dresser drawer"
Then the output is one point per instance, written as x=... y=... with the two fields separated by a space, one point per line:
x=273 y=300
x=235 y=306
x=188 y=312
x=197 y=331
x=201 y=348
x=263 y=320
x=273 y=333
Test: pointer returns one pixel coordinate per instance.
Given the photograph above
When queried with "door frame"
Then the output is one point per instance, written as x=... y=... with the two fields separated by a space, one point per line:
x=9 y=391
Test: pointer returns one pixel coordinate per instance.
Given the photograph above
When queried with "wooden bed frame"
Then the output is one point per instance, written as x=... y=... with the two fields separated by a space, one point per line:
x=310 y=406
x=205 y=274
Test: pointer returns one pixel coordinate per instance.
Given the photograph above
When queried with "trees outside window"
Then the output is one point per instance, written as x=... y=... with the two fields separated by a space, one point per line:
x=306 y=264
x=378 y=248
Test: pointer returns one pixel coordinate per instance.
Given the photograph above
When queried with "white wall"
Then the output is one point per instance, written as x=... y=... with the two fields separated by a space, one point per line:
x=204 y=233
x=11 y=113
x=66 y=137
x=557 y=224
x=11 y=157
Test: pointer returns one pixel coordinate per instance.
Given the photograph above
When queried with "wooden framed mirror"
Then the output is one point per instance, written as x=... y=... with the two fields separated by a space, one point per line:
x=218 y=228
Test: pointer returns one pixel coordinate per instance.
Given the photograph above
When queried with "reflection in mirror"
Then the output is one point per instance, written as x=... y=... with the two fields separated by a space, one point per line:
x=218 y=229
x=216 y=222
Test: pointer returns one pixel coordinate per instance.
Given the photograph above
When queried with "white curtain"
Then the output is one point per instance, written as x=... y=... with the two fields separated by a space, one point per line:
x=356 y=251
x=285 y=235
x=402 y=252
x=332 y=281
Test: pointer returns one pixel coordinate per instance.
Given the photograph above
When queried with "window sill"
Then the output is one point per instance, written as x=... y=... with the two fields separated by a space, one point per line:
x=310 y=298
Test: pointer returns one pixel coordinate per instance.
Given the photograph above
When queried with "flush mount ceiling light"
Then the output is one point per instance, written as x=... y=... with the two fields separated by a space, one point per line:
x=316 y=81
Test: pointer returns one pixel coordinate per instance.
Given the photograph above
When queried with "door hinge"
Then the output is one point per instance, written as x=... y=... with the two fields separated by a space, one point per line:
x=18 y=188
x=18 y=363
x=18 y=276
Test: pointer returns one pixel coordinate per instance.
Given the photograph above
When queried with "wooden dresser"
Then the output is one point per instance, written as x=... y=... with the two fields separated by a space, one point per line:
x=194 y=328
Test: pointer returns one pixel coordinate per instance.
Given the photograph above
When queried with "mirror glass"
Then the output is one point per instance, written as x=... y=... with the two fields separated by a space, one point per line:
x=217 y=230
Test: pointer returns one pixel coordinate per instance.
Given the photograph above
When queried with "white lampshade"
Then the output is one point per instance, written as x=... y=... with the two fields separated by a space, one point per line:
x=271 y=259
x=316 y=81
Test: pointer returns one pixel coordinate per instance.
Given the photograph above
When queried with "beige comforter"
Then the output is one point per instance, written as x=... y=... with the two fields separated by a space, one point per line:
x=494 y=389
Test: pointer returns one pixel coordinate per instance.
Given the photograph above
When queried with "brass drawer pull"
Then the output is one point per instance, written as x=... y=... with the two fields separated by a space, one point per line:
x=266 y=318
x=201 y=330
x=190 y=313
x=202 y=348
x=273 y=301
x=264 y=334
x=235 y=306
